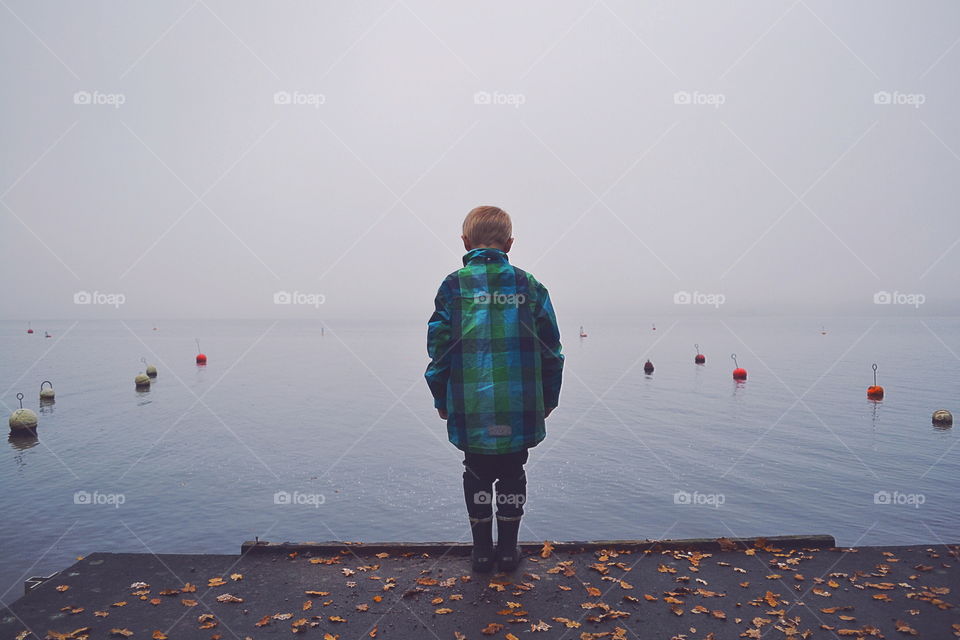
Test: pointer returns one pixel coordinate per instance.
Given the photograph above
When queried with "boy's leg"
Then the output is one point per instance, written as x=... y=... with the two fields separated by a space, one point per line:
x=478 y=495
x=511 y=496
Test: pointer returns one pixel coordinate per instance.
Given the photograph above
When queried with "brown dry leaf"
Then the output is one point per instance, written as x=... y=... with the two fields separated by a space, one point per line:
x=564 y=587
x=903 y=627
x=335 y=619
x=744 y=584
x=459 y=636
x=347 y=572
x=101 y=614
x=383 y=555
x=226 y=597
x=282 y=616
x=122 y=603
x=648 y=597
x=330 y=636
x=771 y=599
x=491 y=629
x=593 y=592
x=443 y=611
x=377 y=598
x=236 y=576
x=676 y=610
x=821 y=592
x=62 y=587
x=126 y=633
x=363 y=607
x=882 y=597
x=373 y=632
x=188 y=603
x=570 y=624
x=155 y=601
x=307 y=605
x=188 y=588
x=159 y=635
x=216 y=582
x=540 y=626
x=262 y=622
x=719 y=615
x=317 y=593
x=427 y=582
x=546 y=550
x=510 y=636
x=665 y=569
x=436 y=600
x=299 y=625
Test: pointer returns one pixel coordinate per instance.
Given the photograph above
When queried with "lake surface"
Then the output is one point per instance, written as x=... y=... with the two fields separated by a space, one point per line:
x=343 y=425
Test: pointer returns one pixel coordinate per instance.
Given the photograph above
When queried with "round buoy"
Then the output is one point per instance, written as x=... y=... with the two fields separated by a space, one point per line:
x=739 y=373
x=150 y=369
x=142 y=381
x=201 y=358
x=22 y=419
x=875 y=391
x=699 y=358
x=942 y=418
x=46 y=394
x=648 y=367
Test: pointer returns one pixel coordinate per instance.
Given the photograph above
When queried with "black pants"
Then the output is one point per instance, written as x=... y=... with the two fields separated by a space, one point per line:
x=511 y=491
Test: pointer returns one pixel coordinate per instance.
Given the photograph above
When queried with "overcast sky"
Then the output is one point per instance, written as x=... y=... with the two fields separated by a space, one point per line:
x=197 y=157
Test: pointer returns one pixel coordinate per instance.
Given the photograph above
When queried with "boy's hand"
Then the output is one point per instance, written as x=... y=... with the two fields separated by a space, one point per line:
x=546 y=412
x=443 y=413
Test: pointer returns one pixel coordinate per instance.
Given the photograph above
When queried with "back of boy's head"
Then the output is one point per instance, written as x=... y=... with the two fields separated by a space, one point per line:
x=488 y=226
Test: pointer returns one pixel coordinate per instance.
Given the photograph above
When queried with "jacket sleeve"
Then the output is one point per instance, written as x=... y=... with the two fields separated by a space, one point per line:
x=551 y=356
x=438 y=348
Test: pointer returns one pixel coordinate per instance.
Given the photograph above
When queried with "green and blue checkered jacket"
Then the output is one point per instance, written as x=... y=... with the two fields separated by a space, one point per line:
x=495 y=356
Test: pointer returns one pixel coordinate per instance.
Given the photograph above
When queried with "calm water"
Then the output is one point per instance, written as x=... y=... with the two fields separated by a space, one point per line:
x=345 y=419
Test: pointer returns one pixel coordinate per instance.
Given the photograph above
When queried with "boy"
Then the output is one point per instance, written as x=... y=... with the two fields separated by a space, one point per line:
x=495 y=371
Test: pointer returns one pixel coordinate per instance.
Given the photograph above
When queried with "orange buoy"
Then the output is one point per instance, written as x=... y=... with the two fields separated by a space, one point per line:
x=201 y=357
x=648 y=367
x=700 y=358
x=739 y=373
x=875 y=392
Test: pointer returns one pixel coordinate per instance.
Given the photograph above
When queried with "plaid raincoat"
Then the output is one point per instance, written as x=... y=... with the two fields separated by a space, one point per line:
x=495 y=355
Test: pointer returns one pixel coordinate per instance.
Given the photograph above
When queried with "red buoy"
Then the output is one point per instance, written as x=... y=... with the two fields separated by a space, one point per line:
x=699 y=358
x=875 y=392
x=29 y=328
x=201 y=358
x=739 y=373
x=648 y=367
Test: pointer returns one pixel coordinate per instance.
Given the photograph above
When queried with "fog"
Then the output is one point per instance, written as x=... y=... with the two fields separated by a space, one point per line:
x=185 y=159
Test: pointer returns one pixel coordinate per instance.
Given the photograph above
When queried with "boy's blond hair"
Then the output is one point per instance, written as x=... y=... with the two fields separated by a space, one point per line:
x=487 y=226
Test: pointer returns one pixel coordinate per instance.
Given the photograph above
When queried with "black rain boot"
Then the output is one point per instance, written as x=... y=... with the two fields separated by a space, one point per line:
x=508 y=553
x=482 y=555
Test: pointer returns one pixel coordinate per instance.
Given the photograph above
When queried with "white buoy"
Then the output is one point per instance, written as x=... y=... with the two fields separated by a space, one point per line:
x=22 y=420
x=142 y=381
x=943 y=418
x=46 y=394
